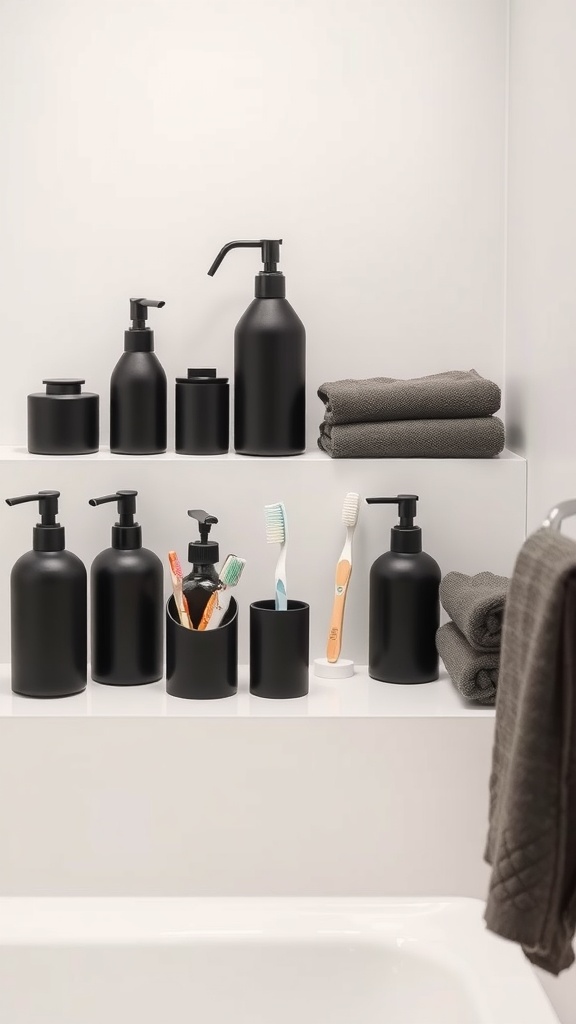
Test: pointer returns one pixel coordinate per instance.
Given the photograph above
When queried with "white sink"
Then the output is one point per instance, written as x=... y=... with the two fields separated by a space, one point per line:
x=254 y=961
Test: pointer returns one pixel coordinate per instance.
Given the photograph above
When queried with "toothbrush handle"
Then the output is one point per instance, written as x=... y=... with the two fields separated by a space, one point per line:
x=343 y=573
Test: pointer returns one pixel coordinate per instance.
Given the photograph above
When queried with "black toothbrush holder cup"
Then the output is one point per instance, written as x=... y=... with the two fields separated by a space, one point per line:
x=202 y=664
x=279 y=650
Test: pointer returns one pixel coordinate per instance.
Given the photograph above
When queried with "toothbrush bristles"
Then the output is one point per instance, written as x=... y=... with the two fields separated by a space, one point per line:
x=175 y=564
x=232 y=570
x=351 y=509
x=275 y=523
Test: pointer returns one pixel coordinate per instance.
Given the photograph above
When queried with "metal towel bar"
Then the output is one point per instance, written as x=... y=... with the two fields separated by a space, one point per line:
x=558 y=514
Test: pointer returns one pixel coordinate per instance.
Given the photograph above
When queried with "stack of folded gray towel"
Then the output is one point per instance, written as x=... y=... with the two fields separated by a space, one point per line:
x=443 y=416
x=470 y=645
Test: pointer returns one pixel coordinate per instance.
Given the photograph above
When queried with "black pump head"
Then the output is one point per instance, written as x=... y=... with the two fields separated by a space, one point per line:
x=138 y=311
x=405 y=536
x=126 y=534
x=203 y=551
x=48 y=534
x=270 y=282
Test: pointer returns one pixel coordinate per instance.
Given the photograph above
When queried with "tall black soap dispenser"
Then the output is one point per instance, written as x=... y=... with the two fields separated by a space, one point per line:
x=127 y=599
x=404 y=603
x=138 y=390
x=269 y=363
x=48 y=610
x=201 y=583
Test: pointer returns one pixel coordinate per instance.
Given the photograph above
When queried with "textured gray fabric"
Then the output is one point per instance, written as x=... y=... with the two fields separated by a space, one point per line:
x=475 y=673
x=476 y=605
x=414 y=439
x=453 y=395
x=532 y=836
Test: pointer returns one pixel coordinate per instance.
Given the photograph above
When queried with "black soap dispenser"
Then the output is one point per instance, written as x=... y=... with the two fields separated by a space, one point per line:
x=127 y=599
x=199 y=584
x=404 y=603
x=269 y=363
x=48 y=610
x=138 y=423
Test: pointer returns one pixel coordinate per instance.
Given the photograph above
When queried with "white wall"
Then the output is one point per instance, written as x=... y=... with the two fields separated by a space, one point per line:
x=140 y=135
x=541 y=321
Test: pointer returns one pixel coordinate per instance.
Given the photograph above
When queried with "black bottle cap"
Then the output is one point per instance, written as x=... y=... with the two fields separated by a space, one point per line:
x=126 y=534
x=405 y=537
x=48 y=535
x=139 y=337
x=64 y=385
x=202 y=376
x=203 y=551
x=270 y=283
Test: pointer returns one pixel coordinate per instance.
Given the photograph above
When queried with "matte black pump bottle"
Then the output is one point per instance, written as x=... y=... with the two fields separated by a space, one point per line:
x=127 y=597
x=138 y=423
x=404 y=603
x=269 y=363
x=48 y=610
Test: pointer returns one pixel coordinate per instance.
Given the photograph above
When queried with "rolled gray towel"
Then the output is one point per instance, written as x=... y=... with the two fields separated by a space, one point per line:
x=455 y=394
x=414 y=439
x=474 y=674
x=476 y=604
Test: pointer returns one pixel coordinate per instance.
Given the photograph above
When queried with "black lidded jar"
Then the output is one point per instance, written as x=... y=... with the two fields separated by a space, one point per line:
x=269 y=363
x=63 y=420
x=48 y=599
x=404 y=604
x=202 y=413
x=138 y=390
x=127 y=603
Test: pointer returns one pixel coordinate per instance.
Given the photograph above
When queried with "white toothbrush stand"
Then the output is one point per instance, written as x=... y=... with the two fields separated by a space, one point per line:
x=341 y=669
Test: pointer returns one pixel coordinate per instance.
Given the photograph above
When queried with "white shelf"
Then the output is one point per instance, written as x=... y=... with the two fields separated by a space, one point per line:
x=18 y=453
x=359 y=697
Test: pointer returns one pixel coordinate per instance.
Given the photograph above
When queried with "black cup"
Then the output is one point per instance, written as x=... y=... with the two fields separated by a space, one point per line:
x=279 y=649
x=202 y=664
x=202 y=413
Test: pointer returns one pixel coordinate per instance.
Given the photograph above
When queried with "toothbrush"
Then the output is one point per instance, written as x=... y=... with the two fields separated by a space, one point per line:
x=219 y=601
x=179 y=596
x=276 y=534
x=343 y=573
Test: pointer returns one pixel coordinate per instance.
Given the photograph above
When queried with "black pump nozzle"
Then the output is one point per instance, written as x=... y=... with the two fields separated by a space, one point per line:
x=48 y=534
x=270 y=282
x=270 y=253
x=126 y=534
x=203 y=551
x=405 y=537
x=138 y=314
x=47 y=503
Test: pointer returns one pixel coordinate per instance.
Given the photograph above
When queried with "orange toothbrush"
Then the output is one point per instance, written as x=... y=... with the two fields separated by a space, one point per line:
x=343 y=574
x=179 y=596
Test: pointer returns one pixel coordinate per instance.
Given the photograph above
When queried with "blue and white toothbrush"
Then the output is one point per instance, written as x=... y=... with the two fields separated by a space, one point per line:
x=276 y=534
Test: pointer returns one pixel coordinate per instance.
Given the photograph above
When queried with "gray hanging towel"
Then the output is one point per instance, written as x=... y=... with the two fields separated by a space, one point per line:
x=414 y=439
x=474 y=673
x=532 y=836
x=451 y=395
x=476 y=605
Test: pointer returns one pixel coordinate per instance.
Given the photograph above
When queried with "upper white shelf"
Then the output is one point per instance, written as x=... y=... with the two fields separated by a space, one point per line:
x=359 y=697
x=18 y=453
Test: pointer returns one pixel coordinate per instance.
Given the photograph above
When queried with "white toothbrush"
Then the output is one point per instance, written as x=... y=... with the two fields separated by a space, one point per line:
x=276 y=531
x=350 y=511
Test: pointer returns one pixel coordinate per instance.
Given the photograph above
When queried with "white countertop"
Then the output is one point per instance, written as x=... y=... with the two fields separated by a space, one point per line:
x=358 y=697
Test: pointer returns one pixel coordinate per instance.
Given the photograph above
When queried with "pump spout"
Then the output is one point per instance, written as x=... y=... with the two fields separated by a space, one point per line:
x=47 y=503
x=138 y=314
x=126 y=505
x=270 y=253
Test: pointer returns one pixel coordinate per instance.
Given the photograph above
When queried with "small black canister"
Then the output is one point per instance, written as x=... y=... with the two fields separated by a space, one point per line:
x=63 y=420
x=279 y=649
x=202 y=413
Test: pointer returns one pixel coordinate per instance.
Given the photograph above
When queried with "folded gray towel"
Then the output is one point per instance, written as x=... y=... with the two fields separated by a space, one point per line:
x=452 y=395
x=414 y=439
x=475 y=673
x=532 y=837
x=476 y=605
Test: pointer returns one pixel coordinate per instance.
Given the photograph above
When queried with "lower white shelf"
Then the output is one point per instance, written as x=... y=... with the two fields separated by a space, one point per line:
x=358 y=697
